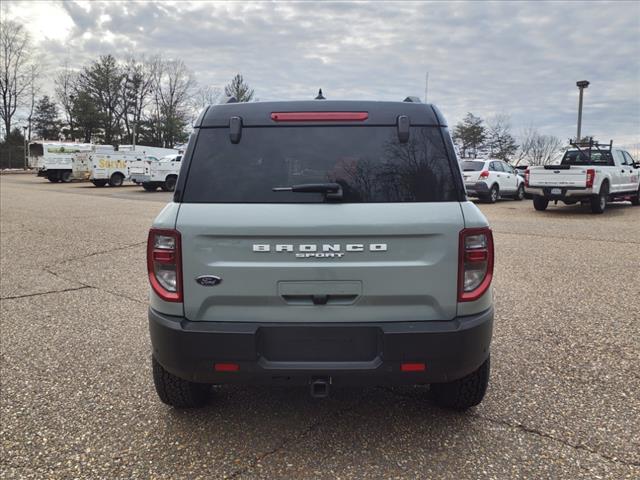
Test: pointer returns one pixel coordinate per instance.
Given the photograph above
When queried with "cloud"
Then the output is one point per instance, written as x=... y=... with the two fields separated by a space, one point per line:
x=501 y=57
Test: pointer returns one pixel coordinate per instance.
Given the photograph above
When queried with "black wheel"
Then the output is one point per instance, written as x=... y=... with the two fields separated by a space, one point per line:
x=635 y=200
x=177 y=392
x=540 y=203
x=494 y=194
x=99 y=183
x=170 y=184
x=599 y=202
x=116 y=180
x=464 y=393
x=53 y=177
x=65 y=177
x=149 y=187
x=519 y=193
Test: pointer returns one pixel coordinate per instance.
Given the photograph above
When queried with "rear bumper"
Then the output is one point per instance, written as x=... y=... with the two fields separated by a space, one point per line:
x=477 y=189
x=140 y=178
x=348 y=353
x=565 y=192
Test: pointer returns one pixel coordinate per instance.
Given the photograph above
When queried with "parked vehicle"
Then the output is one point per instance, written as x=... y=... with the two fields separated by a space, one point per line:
x=113 y=167
x=593 y=173
x=492 y=179
x=53 y=160
x=335 y=247
x=153 y=174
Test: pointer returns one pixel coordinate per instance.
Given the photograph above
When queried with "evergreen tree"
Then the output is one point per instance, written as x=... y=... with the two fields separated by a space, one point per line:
x=239 y=89
x=469 y=134
x=45 y=119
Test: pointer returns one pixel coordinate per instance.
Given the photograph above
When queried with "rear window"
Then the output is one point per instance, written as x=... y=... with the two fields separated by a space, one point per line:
x=575 y=157
x=472 y=166
x=368 y=162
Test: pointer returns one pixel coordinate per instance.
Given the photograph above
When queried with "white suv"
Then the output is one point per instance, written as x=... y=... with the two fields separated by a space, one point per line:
x=491 y=179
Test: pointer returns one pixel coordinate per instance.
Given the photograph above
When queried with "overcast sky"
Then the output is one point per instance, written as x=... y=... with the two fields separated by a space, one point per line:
x=517 y=58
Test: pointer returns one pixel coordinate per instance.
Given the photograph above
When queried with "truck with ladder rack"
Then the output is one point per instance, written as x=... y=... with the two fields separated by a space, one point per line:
x=590 y=173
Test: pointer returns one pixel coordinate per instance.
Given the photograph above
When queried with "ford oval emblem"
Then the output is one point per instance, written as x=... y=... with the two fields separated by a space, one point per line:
x=208 y=280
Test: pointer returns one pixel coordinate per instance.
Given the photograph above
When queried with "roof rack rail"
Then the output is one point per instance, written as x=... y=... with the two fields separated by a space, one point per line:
x=589 y=146
x=412 y=99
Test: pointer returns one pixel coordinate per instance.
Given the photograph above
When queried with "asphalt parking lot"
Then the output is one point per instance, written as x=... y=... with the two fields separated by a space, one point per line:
x=77 y=400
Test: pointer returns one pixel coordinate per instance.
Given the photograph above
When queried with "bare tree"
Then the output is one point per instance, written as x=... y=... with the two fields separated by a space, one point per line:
x=500 y=141
x=538 y=149
x=174 y=90
x=15 y=70
x=203 y=97
x=65 y=90
x=140 y=79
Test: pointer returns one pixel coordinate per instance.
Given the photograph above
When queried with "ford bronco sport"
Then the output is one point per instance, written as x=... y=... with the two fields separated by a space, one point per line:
x=320 y=243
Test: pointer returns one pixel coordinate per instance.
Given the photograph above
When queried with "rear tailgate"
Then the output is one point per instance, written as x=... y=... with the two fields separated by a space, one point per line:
x=558 y=176
x=321 y=262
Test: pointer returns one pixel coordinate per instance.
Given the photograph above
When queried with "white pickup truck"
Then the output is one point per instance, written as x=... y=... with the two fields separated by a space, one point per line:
x=592 y=175
x=161 y=173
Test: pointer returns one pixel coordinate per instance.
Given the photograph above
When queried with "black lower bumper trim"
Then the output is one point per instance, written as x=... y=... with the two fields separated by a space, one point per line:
x=347 y=353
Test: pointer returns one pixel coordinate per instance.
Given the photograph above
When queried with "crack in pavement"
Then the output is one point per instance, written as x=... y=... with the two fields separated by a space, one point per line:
x=295 y=438
x=46 y=293
x=530 y=430
x=100 y=289
x=82 y=257
x=535 y=431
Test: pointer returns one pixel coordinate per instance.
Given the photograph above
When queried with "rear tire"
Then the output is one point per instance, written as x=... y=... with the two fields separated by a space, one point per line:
x=149 y=187
x=599 y=202
x=540 y=203
x=116 y=180
x=635 y=200
x=53 y=177
x=99 y=183
x=494 y=194
x=464 y=393
x=170 y=184
x=177 y=392
x=519 y=193
x=65 y=177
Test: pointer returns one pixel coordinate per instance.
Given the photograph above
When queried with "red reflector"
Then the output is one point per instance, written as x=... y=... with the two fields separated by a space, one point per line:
x=319 y=116
x=413 y=367
x=163 y=256
x=476 y=255
x=226 y=367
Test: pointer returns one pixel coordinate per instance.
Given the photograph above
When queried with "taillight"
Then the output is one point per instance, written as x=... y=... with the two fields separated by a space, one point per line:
x=319 y=116
x=164 y=264
x=475 y=263
x=591 y=175
x=484 y=174
x=526 y=177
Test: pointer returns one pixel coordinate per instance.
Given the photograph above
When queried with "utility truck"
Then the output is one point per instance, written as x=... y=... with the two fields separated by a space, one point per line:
x=591 y=173
x=54 y=160
x=153 y=174
x=113 y=167
x=105 y=165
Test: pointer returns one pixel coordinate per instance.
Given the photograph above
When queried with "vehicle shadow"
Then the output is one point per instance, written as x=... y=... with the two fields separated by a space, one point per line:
x=317 y=428
x=562 y=210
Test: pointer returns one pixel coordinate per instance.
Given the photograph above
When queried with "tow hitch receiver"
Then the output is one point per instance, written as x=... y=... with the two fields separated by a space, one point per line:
x=320 y=387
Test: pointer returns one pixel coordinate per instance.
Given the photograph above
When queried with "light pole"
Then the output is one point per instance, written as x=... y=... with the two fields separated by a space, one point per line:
x=26 y=157
x=582 y=84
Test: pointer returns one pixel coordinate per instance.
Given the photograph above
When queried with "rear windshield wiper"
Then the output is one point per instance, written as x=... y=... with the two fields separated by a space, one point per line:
x=332 y=191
